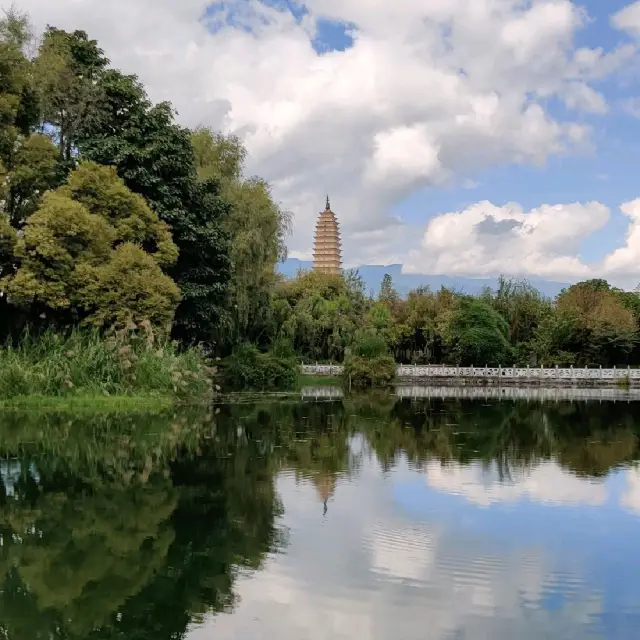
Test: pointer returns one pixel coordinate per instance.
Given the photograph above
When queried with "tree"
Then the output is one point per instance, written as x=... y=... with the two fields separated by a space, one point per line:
x=257 y=227
x=130 y=287
x=67 y=68
x=27 y=160
x=218 y=155
x=388 y=294
x=155 y=158
x=8 y=238
x=477 y=334
x=77 y=256
x=599 y=327
x=103 y=193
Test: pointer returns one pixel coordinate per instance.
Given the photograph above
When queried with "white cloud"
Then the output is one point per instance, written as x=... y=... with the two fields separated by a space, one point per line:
x=428 y=91
x=485 y=239
x=547 y=482
x=628 y=19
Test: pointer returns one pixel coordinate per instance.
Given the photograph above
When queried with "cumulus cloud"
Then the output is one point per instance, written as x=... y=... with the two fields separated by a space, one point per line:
x=628 y=19
x=428 y=91
x=486 y=240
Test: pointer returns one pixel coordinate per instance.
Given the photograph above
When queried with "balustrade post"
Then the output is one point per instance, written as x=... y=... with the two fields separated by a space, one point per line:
x=500 y=371
x=600 y=372
x=571 y=371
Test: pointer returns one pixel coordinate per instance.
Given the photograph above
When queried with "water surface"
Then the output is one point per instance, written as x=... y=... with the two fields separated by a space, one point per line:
x=372 y=518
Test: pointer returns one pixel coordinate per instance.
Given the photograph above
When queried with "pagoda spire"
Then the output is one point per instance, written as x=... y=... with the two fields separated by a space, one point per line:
x=328 y=205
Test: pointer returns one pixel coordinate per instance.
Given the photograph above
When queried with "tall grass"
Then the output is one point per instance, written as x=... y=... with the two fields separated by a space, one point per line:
x=126 y=363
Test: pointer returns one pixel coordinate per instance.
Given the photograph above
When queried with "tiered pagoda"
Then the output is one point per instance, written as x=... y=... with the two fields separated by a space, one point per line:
x=327 y=254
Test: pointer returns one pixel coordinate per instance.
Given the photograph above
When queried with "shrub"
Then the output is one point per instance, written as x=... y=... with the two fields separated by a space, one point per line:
x=363 y=373
x=249 y=368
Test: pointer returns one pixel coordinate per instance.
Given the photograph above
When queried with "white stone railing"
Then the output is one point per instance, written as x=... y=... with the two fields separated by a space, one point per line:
x=537 y=394
x=321 y=369
x=500 y=373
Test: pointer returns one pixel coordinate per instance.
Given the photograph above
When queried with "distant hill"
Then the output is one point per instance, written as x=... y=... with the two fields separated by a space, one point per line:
x=404 y=282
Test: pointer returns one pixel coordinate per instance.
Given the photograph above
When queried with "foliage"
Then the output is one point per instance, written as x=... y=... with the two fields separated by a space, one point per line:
x=320 y=314
x=256 y=226
x=368 y=363
x=363 y=373
x=248 y=368
x=476 y=333
x=155 y=158
x=76 y=254
x=84 y=363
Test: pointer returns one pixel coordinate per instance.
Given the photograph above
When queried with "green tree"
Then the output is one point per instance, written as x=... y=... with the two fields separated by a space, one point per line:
x=77 y=257
x=27 y=160
x=257 y=227
x=67 y=69
x=388 y=294
x=155 y=158
x=477 y=334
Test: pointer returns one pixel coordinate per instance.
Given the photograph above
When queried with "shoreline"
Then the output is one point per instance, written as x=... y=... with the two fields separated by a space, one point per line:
x=147 y=403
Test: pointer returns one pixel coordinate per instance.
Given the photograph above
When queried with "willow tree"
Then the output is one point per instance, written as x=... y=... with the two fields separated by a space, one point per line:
x=257 y=226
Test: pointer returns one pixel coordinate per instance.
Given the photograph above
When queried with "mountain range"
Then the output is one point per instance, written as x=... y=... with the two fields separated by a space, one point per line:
x=372 y=275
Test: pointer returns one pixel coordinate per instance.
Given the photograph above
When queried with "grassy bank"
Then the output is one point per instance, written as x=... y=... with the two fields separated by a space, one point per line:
x=88 y=368
x=79 y=403
x=318 y=381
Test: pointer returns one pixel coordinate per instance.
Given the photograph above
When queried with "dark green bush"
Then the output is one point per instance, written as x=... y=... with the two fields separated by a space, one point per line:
x=248 y=368
x=364 y=373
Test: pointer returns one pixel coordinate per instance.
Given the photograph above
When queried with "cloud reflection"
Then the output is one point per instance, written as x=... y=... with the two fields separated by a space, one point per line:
x=366 y=572
x=547 y=483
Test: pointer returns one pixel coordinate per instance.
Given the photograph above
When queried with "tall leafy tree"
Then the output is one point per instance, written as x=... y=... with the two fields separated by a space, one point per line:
x=257 y=226
x=82 y=258
x=155 y=158
x=67 y=71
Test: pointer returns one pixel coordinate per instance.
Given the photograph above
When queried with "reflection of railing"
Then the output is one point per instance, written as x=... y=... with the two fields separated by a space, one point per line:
x=523 y=374
x=551 y=394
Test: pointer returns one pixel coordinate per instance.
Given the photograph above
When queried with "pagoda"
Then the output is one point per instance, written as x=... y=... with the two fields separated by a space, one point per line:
x=327 y=255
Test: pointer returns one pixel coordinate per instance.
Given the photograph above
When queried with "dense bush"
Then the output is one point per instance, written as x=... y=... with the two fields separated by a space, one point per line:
x=249 y=368
x=364 y=373
x=368 y=364
x=86 y=363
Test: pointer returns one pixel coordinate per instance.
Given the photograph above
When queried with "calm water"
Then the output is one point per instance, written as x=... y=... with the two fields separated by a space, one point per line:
x=374 y=518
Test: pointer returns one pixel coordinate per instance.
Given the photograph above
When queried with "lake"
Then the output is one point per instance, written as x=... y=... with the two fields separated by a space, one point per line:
x=371 y=518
